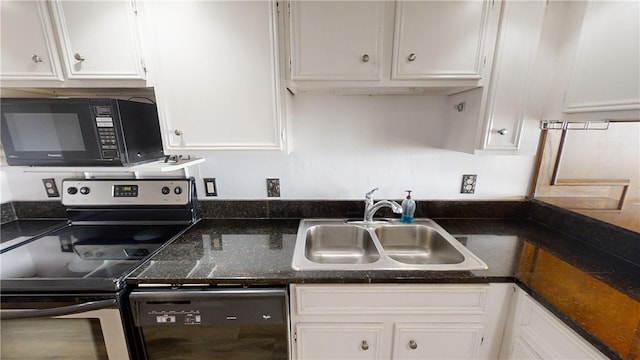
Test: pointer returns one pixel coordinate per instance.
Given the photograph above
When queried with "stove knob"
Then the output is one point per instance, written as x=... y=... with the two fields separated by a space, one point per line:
x=166 y=190
x=177 y=190
x=84 y=190
x=99 y=254
x=72 y=190
x=87 y=254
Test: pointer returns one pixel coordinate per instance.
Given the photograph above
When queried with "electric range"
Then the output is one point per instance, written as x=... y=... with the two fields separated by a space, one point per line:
x=68 y=283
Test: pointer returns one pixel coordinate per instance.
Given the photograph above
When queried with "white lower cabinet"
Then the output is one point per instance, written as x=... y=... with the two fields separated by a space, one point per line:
x=533 y=332
x=397 y=321
x=427 y=321
x=338 y=341
x=437 y=340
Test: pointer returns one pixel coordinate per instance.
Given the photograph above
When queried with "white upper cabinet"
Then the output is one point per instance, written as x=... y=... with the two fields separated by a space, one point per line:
x=606 y=70
x=27 y=42
x=508 y=103
x=324 y=50
x=99 y=39
x=440 y=39
x=216 y=75
x=89 y=40
x=492 y=118
x=391 y=44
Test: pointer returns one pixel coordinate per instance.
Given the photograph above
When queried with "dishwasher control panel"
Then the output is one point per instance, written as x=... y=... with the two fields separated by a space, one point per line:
x=208 y=307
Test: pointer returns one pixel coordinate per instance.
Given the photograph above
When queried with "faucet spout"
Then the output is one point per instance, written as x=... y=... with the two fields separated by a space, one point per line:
x=372 y=208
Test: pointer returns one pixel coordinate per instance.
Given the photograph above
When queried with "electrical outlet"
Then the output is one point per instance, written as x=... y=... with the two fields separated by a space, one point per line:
x=50 y=187
x=210 y=188
x=468 y=184
x=273 y=187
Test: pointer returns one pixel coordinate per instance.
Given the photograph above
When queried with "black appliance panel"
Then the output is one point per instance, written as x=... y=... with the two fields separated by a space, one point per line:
x=82 y=131
x=141 y=131
x=49 y=131
x=249 y=323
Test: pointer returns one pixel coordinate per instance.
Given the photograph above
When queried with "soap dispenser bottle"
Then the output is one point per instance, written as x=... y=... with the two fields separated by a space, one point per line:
x=408 y=209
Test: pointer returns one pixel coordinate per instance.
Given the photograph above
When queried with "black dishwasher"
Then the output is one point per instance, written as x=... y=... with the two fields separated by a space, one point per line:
x=212 y=323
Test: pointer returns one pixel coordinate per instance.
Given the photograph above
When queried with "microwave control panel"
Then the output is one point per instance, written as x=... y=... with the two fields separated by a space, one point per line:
x=106 y=131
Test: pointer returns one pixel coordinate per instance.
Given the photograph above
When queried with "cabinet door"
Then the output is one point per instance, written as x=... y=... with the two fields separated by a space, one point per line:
x=27 y=42
x=523 y=351
x=442 y=39
x=99 y=39
x=606 y=72
x=437 y=341
x=217 y=85
x=533 y=332
x=338 y=341
x=336 y=40
x=520 y=29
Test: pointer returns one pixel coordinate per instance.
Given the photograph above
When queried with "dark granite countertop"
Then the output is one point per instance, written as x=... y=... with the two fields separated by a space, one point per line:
x=248 y=252
x=546 y=263
x=583 y=270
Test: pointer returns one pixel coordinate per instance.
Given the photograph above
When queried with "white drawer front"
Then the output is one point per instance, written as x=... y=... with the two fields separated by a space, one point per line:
x=390 y=299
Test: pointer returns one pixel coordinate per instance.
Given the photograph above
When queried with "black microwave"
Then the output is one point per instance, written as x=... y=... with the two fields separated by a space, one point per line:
x=80 y=132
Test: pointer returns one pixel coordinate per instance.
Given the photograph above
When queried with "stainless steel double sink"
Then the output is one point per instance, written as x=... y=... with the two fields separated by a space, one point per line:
x=334 y=244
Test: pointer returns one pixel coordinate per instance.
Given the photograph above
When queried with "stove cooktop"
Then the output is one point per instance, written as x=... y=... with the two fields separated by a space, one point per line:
x=96 y=255
x=82 y=257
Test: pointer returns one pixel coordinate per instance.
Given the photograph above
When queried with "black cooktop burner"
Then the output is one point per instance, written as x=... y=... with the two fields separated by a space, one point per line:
x=85 y=251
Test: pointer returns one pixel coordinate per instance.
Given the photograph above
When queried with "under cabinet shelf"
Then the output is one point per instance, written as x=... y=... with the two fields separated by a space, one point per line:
x=155 y=166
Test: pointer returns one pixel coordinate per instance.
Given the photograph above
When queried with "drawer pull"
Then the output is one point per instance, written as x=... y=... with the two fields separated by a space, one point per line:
x=364 y=345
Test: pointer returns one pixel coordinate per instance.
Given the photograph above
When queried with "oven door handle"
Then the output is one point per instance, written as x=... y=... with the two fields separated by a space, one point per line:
x=58 y=311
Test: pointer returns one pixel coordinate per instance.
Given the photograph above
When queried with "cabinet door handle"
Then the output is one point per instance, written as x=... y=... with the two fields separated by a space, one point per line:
x=364 y=345
x=413 y=345
x=178 y=132
x=79 y=57
x=36 y=59
x=365 y=58
x=411 y=57
x=503 y=131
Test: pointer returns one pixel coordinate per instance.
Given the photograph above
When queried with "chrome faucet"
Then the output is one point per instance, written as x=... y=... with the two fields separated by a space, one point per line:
x=370 y=207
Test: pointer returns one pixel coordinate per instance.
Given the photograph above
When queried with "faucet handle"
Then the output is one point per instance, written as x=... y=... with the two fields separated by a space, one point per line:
x=369 y=195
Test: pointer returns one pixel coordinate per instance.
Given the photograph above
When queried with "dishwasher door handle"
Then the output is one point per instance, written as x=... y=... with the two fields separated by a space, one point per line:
x=58 y=311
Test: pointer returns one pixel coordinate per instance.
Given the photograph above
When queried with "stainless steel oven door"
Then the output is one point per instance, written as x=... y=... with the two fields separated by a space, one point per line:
x=62 y=329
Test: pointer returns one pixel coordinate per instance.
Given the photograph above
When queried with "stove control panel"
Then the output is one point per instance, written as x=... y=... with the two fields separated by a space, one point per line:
x=106 y=192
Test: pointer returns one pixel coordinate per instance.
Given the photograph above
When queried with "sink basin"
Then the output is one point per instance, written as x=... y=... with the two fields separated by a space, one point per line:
x=338 y=244
x=417 y=244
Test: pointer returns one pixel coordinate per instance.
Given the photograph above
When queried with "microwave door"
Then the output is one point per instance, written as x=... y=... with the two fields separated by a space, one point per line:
x=47 y=133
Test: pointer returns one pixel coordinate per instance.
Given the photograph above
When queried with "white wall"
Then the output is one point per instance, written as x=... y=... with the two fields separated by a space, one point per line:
x=343 y=146
x=5 y=190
